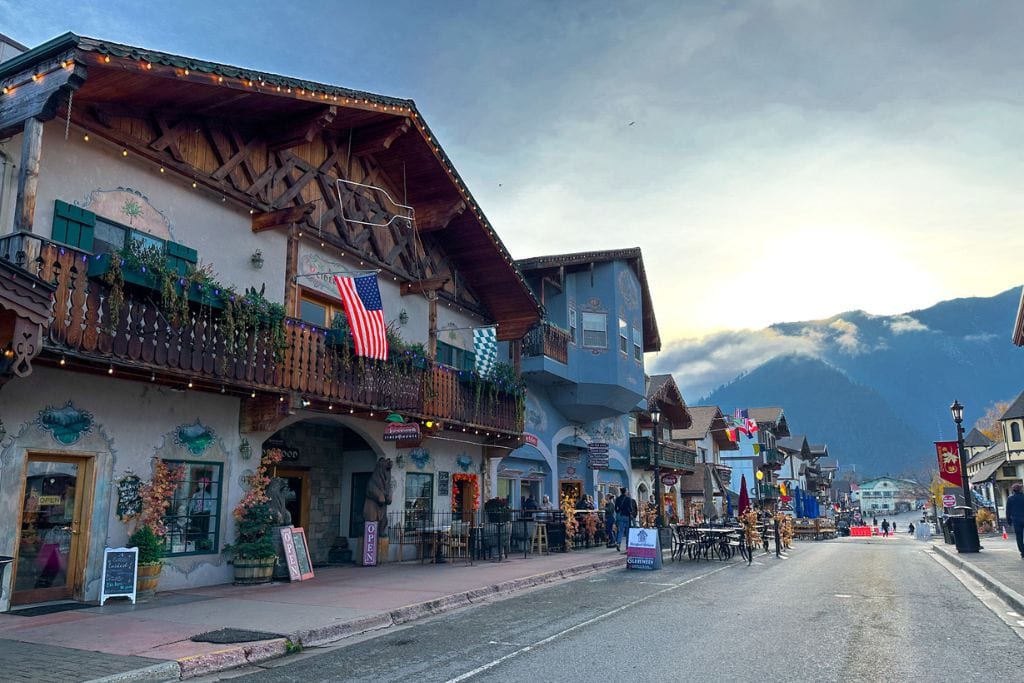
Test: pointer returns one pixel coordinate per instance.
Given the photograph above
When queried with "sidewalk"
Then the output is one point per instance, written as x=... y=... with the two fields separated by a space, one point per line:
x=150 y=640
x=998 y=566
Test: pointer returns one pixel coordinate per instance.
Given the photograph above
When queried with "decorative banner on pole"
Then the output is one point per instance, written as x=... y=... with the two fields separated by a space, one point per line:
x=485 y=348
x=949 y=462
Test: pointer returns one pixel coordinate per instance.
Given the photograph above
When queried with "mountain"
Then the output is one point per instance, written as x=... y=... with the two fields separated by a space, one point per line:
x=877 y=389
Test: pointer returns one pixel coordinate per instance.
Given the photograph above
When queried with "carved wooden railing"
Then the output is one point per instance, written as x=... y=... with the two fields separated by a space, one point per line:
x=641 y=453
x=200 y=349
x=548 y=340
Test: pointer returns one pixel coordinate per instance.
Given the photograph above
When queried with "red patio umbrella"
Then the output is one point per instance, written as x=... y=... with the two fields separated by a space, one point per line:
x=744 y=497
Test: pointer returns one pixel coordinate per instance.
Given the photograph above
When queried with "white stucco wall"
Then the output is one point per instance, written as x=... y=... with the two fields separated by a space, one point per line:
x=131 y=422
x=72 y=170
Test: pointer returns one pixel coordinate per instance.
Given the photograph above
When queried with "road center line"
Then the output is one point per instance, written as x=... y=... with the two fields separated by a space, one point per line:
x=588 y=622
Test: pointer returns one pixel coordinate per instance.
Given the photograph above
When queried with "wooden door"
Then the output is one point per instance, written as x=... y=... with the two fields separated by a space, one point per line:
x=298 y=504
x=53 y=528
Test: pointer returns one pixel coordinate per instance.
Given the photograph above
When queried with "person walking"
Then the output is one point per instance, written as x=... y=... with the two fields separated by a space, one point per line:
x=1015 y=514
x=625 y=510
x=885 y=528
x=910 y=529
x=609 y=519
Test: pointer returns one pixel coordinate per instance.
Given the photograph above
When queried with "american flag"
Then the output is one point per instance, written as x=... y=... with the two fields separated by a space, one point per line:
x=361 y=298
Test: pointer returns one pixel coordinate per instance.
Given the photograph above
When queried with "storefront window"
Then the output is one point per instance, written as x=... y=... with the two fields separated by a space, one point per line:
x=193 y=517
x=419 y=498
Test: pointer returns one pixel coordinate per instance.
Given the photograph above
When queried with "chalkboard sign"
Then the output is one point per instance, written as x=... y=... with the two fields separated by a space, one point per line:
x=120 y=570
x=296 y=553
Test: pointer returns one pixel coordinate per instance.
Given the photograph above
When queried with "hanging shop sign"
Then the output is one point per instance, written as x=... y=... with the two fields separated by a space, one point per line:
x=597 y=455
x=531 y=439
x=669 y=479
x=402 y=431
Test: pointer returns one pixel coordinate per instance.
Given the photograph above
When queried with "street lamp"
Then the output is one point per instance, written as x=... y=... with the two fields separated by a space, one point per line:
x=958 y=417
x=655 y=419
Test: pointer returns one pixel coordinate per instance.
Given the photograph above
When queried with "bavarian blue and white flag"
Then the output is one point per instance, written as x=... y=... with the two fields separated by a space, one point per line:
x=485 y=346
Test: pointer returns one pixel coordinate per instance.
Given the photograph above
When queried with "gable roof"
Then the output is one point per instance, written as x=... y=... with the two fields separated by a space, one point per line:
x=1016 y=409
x=142 y=81
x=707 y=419
x=996 y=450
x=976 y=438
x=583 y=259
x=664 y=390
x=794 y=444
x=986 y=471
x=773 y=417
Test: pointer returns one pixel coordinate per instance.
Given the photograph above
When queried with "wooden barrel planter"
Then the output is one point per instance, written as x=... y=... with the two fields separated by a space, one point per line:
x=248 y=572
x=149 y=576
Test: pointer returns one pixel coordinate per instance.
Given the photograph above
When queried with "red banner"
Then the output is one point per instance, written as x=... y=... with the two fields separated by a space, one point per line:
x=949 y=462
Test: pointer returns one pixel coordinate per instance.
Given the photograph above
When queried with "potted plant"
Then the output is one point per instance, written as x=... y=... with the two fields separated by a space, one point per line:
x=497 y=510
x=151 y=560
x=145 y=505
x=254 y=552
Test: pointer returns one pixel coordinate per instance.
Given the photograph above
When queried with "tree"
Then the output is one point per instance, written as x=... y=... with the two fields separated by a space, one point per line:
x=989 y=425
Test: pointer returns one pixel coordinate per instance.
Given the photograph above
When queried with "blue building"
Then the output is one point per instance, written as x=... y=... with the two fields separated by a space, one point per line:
x=584 y=370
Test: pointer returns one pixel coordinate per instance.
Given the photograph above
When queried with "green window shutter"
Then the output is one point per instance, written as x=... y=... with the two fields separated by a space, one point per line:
x=181 y=257
x=73 y=225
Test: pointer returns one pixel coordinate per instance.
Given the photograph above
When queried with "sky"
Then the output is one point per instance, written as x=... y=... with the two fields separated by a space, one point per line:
x=776 y=161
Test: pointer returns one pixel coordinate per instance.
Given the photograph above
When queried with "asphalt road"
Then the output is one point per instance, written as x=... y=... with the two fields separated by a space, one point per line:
x=850 y=610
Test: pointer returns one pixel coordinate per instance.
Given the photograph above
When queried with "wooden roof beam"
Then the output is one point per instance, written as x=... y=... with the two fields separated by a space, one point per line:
x=282 y=218
x=301 y=130
x=421 y=286
x=377 y=138
x=437 y=216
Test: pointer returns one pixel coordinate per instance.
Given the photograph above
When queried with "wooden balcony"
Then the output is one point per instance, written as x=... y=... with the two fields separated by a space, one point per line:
x=670 y=455
x=143 y=343
x=547 y=340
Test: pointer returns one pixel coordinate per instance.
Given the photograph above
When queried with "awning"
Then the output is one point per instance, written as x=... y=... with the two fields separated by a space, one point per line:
x=986 y=471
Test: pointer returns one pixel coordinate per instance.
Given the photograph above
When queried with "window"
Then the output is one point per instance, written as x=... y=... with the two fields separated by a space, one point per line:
x=633 y=425
x=1010 y=471
x=595 y=330
x=455 y=357
x=1015 y=431
x=419 y=499
x=319 y=311
x=108 y=237
x=638 y=345
x=193 y=517
x=572 y=324
x=623 y=336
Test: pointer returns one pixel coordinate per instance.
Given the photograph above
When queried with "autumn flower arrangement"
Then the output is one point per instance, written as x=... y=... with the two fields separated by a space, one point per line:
x=143 y=506
x=572 y=527
x=253 y=519
x=749 y=521
x=459 y=480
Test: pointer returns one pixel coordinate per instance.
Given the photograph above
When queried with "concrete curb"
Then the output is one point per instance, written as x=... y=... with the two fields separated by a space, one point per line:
x=231 y=658
x=1011 y=597
x=166 y=670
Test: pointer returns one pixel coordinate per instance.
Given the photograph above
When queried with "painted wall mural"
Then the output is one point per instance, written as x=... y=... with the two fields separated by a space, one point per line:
x=130 y=207
x=420 y=457
x=464 y=461
x=608 y=430
x=536 y=417
x=66 y=425
x=196 y=437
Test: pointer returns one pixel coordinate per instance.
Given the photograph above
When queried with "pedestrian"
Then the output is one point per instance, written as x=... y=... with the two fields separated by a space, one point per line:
x=885 y=528
x=894 y=527
x=609 y=519
x=625 y=510
x=874 y=521
x=910 y=529
x=1015 y=514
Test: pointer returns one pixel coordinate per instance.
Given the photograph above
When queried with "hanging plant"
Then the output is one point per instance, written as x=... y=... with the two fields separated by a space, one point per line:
x=114 y=279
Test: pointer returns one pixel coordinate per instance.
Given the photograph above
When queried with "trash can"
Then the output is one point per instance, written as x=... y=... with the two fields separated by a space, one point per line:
x=965 y=534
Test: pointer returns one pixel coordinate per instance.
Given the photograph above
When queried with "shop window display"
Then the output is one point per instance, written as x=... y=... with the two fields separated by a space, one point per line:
x=193 y=517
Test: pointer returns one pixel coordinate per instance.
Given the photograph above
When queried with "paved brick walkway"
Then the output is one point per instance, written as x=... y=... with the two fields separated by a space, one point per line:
x=45 y=663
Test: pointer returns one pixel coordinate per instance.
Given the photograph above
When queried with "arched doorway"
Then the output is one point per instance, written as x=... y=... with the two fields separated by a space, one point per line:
x=326 y=466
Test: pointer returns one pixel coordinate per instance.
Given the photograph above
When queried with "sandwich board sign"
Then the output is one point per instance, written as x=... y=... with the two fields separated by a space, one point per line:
x=642 y=550
x=120 y=573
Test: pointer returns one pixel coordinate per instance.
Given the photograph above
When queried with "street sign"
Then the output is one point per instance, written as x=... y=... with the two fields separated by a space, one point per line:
x=948 y=501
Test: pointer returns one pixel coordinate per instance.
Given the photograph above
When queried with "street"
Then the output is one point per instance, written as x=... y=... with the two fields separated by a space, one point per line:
x=850 y=609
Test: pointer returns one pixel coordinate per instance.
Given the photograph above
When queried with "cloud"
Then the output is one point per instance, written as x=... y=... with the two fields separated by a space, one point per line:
x=700 y=365
x=847 y=337
x=904 y=323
